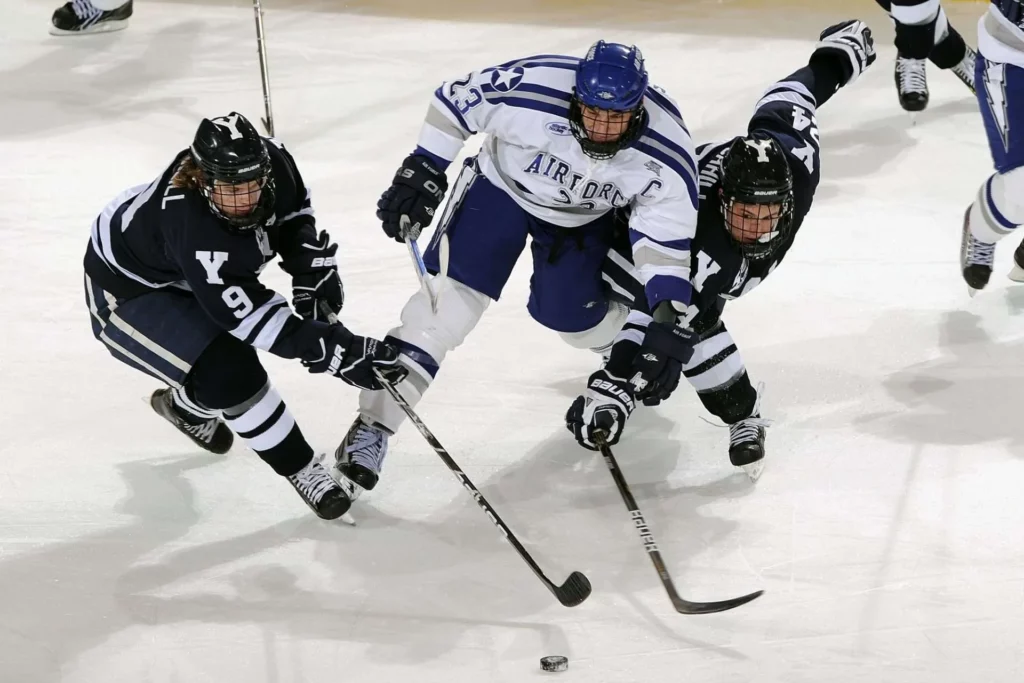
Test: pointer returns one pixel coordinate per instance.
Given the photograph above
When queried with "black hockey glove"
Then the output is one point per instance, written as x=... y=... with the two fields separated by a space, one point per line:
x=605 y=407
x=416 y=192
x=354 y=359
x=659 y=362
x=852 y=43
x=315 y=279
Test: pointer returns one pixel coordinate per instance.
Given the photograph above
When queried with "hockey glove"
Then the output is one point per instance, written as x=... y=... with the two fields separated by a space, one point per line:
x=659 y=362
x=315 y=279
x=416 y=192
x=852 y=43
x=354 y=359
x=605 y=407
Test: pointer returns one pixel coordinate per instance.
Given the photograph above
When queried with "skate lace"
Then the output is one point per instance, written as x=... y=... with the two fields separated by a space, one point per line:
x=747 y=430
x=367 y=448
x=313 y=482
x=203 y=430
x=981 y=253
x=912 y=76
x=84 y=9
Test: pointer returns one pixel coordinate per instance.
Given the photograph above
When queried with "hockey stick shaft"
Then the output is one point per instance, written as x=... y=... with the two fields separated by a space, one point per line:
x=651 y=546
x=418 y=264
x=576 y=588
x=261 y=45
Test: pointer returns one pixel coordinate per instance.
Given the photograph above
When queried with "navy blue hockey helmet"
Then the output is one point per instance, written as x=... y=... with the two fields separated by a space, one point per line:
x=231 y=153
x=606 y=110
x=756 y=175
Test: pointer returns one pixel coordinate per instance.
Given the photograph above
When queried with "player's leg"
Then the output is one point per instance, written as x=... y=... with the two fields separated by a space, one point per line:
x=998 y=208
x=486 y=232
x=168 y=336
x=79 y=17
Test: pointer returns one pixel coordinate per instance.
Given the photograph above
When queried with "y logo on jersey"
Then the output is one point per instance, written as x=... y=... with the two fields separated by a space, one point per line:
x=504 y=80
x=212 y=261
x=231 y=123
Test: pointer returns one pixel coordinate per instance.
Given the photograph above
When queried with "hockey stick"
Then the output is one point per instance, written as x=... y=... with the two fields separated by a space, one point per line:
x=417 y=260
x=576 y=588
x=651 y=546
x=261 y=46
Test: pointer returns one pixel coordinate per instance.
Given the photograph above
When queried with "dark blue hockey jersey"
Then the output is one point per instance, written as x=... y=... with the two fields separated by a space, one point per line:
x=157 y=236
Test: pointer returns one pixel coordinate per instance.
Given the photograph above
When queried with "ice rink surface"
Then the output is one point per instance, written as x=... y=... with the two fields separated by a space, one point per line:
x=886 y=530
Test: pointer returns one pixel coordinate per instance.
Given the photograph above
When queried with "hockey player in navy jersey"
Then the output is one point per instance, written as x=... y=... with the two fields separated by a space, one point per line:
x=566 y=141
x=755 y=191
x=172 y=284
x=924 y=33
x=998 y=208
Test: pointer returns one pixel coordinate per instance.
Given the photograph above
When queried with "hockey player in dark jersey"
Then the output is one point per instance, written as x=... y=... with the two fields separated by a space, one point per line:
x=755 y=192
x=172 y=283
x=924 y=33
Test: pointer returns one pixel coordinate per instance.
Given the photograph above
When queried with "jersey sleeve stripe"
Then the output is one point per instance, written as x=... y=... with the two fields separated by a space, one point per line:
x=551 y=94
x=660 y=287
x=635 y=236
x=555 y=61
x=666 y=104
x=674 y=161
x=306 y=210
x=444 y=125
x=439 y=96
x=249 y=327
x=532 y=101
x=789 y=96
x=272 y=328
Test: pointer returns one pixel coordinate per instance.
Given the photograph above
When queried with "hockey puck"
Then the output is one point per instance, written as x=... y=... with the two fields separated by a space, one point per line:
x=554 y=663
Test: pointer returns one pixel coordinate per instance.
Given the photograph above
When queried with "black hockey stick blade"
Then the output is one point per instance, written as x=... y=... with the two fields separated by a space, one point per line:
x=574 y=591
x=687 y=607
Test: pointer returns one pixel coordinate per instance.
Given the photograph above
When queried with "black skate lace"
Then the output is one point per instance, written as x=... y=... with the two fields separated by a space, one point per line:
x=313 y=482
x=84 y=9
x=912 y=76
x=366 y=449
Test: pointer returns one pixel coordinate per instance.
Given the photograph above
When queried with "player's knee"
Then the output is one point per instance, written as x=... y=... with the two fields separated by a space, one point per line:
x=227 y=374
x=601 y=336
x=731 y=403
x=459 y=309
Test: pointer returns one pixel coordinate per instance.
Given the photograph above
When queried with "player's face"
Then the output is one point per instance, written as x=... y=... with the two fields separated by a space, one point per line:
x=749 y=223
x=238 y=199
x=605 y=125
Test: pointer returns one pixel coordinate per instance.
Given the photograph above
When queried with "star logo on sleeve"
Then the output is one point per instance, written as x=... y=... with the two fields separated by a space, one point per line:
x=504 y=80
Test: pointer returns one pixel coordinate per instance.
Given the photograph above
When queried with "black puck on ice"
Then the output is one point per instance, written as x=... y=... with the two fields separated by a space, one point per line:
x=555 y=663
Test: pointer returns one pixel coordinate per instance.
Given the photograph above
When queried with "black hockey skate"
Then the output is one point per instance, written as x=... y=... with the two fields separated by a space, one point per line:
x=360 y=457
x=80 y=17
x=210 y=434
x=320 y=492
x=1017 y=274
x=911 y=84
x=976 y=257
x=746 y=445
x=965 y=69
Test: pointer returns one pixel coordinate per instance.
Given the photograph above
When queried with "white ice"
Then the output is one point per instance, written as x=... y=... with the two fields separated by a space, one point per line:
x=886 y=529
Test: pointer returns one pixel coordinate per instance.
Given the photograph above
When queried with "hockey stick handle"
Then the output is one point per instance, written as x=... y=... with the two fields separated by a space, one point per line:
x=261 y=47
x=651 y=545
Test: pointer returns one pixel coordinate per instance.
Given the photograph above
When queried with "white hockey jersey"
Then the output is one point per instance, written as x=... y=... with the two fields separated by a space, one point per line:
x=1001 y=33
x=523 y=108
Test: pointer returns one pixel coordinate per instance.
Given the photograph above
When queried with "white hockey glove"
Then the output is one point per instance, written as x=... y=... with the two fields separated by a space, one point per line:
x=605 y=407
x=851 y=41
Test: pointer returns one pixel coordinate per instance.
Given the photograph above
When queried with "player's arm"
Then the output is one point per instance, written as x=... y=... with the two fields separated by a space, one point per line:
x=306 y=254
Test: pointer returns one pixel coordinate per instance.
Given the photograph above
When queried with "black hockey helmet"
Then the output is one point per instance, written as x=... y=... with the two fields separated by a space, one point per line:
x=755 y=171
x=228 y=149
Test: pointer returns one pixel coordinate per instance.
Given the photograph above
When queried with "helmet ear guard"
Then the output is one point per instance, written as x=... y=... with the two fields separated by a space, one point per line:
x=755 y=171
x=229 y=150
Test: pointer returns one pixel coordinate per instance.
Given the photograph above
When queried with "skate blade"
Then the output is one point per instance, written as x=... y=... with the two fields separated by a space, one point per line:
x=105 y=27
x=347 y=518
x=972 y=292
x=754 y=470
x=1017 y=274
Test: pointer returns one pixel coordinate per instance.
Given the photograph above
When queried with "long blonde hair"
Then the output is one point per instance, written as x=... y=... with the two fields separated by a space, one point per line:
x=188 y=175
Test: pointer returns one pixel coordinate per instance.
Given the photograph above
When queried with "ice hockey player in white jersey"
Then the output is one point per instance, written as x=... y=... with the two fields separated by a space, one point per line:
x=566 y=141
x=924 y=33
x=755 y=191
x=172 y=285
x=998 y=208
x=80 y=17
